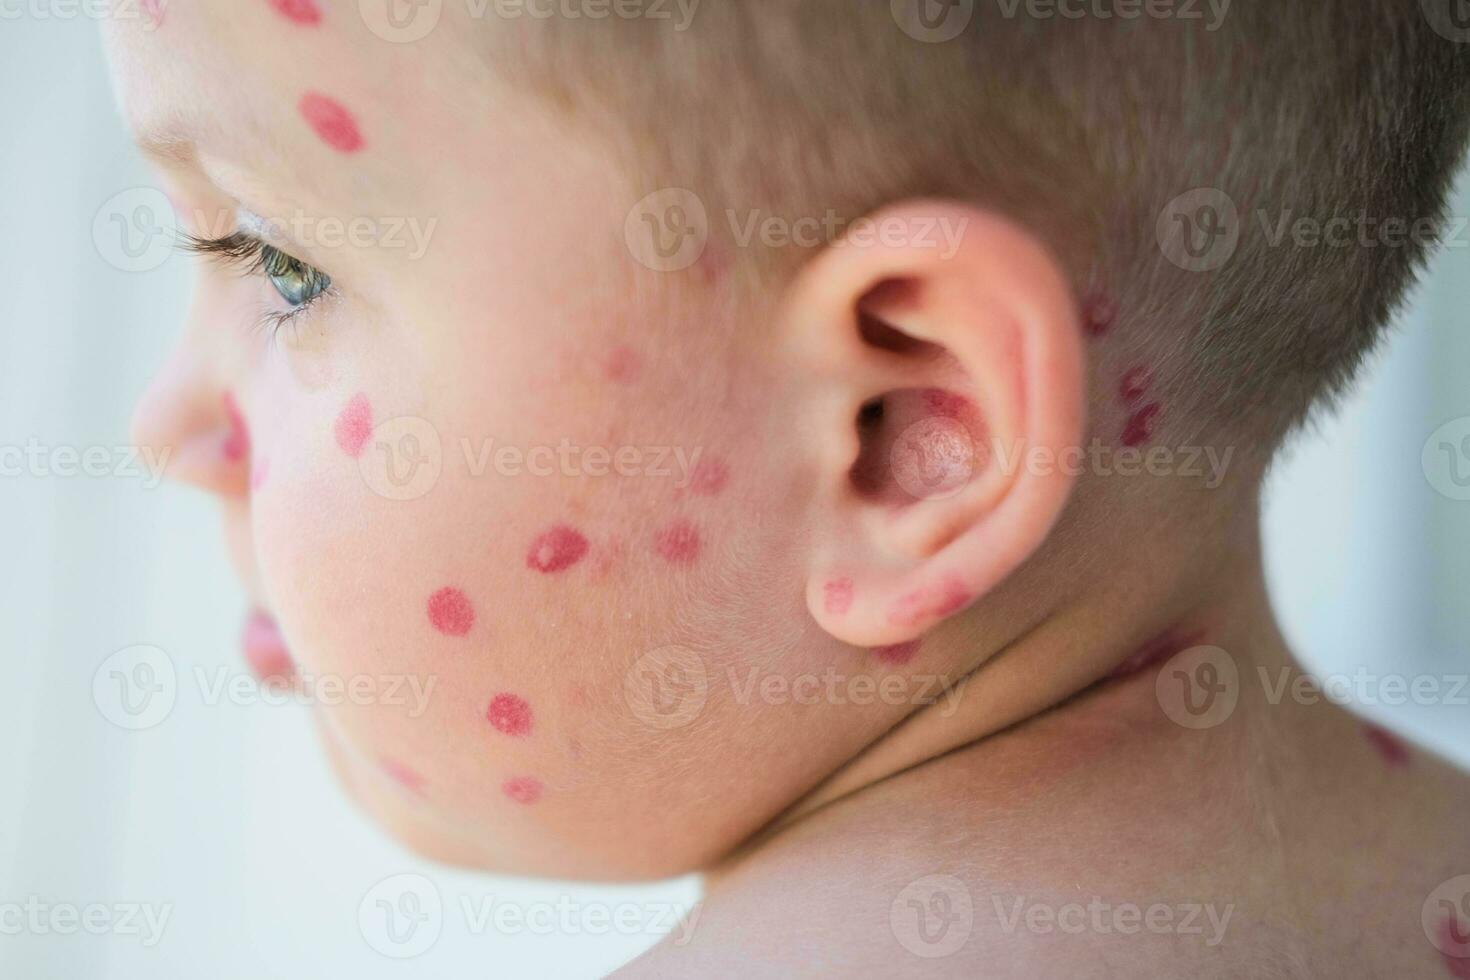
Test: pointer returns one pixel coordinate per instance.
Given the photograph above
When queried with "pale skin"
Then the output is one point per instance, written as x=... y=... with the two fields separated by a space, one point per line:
x=526 y=320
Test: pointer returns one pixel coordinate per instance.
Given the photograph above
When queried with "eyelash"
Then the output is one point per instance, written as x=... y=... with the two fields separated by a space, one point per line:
x=254 y=257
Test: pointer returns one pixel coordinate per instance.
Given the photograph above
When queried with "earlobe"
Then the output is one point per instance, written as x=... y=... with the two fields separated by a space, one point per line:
x=951 y=383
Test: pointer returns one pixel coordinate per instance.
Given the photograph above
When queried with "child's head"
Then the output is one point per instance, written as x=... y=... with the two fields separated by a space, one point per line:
x=658 y=368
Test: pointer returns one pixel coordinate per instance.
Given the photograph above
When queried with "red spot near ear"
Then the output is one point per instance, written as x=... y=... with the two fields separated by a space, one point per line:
x=404 y=776
x=927 y=604
x=522 y=789
x=1135 y=384
x=260 y=472
x=354 y=426
x=897 y=654
x=556 y=549
x=331 y=121
x=1393 y=749
x=1154 y=653
x=1140 y=427
x=837 y=599
x=303 y=12
x=677 y=543
x=154 y=11
x=709 y=477
x=237 y=441
x=510 y=714
x=1099 y=313
x=1454 y=946
x=623 y=365
x=450 y=612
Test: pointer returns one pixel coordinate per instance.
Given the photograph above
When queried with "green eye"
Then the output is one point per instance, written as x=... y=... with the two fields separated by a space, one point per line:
x=297 y=282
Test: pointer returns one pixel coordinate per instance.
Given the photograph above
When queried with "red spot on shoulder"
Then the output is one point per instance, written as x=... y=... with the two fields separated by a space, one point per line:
x=1135 y=384
x=929 y=603
x=1392 y=748
x=510 y=714
x=897 y=654
x=1099 y=313
x=556 y=549
x=450 y=612
x=354 y=426
x=522 y=789
x=623 y=365
x=1140 y=426
x=709 y=477
x=837 y=597
x=304 y=12
x=237 y=439
x=677 y=543
x=403 y=775
x=331 y=121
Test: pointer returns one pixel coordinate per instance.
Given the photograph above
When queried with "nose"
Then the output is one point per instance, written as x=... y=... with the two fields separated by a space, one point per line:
x=192 y=424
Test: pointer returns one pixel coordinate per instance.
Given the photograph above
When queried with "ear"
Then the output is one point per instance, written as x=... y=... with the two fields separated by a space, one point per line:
x=948 y=394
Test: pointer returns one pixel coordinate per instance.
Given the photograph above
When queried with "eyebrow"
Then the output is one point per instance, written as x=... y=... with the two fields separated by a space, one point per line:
x=168 y=148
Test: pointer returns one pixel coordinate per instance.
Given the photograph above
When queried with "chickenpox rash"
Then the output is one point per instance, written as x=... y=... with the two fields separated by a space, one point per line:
x=403 y=775
x=622 y=365
x=1140 y=426
x=1099 y=313
x=837 y=596
x=1392 y=748
x=354 y=426
x=1135 y=384
x=709 y=477
x=522 y=789
x=237 y=439
x=450 y=612
x=677 y=543
x=331 y=121
x=925 y=605
x=897 y=654
x=556 y=549
x=510 y=714
x=1156 y=652
x=303 y=12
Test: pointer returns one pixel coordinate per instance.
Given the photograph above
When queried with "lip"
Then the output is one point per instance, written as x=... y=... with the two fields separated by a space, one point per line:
x=265 y=650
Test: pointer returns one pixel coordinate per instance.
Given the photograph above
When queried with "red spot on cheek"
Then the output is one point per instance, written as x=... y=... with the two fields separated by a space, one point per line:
x=1140 y=427
x=709 y=477
x=522 y=789
x=1099 y=313
x=237 y=441
x=837 y=599
x=1389 y=745
x=331 y=121
x=450 y=612
x=303 y=12
x=897 y=654
x=926 y=604
x=1135 y=384
x=510 y=714
x=677 y=543
x=1454 y=946
x=403 y=775
x=556 y=550
x=354 y=426
x=623 y=365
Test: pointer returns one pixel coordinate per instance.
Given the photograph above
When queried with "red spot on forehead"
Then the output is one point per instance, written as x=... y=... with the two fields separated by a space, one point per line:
x=1140 y=426
x=930 y=602
x=522 y=789
x=403 y=775
x=623 y=365
x=1135 y=384
x=510 y=713
x=237 y=440
x=1099 y=313
x=450 y=612
x=837 y=598
x=354 y=426
x=330 y=120
x=897 y=654
x=303 y=12
x=1393 y=749
x=709 y=477
x=556 y=549
x=677 y=543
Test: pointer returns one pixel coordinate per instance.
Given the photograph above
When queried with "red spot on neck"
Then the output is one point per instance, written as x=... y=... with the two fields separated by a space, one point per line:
x=897 y=654
x=522 y=789
x=304 y=12
x=331 y=121
x=1099 y=313
x=237 y=440
x=837 y=596
x=1135 y=384
x=1156 y=652
x=677 y=543
x=556 y=549
x=510 y=714
x=450 y=612
x=1393 y=749
x=354 y=426
x=1140 y=426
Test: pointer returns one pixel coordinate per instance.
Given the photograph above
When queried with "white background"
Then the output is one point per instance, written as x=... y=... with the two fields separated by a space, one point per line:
x=228 y=815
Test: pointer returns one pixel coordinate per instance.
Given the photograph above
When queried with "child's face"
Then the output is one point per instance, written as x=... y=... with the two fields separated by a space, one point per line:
x=615 y=512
